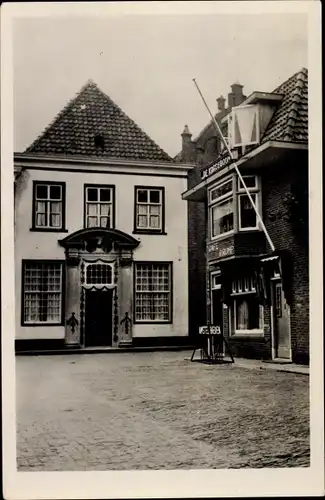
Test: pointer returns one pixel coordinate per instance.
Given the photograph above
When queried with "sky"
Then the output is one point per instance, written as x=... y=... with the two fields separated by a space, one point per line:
x=146 y=64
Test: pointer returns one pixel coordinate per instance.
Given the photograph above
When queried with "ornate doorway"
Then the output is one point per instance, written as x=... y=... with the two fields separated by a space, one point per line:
x=99 y=287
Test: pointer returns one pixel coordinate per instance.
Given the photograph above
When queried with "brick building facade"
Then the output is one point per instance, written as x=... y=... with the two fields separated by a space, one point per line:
x=259 y=297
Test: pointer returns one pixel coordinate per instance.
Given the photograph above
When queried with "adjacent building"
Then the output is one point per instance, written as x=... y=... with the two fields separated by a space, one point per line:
x=260 y=298
x=100 y=233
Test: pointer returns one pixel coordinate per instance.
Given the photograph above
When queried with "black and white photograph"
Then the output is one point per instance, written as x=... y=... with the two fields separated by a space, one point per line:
x=161 y=249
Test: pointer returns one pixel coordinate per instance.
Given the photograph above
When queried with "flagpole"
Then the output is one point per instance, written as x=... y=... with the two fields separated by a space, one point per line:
x=236 y=168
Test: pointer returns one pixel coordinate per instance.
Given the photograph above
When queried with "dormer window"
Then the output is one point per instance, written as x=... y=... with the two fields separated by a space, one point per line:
x=244 y=126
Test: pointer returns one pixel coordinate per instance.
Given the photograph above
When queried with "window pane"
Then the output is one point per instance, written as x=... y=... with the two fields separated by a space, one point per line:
x=91 y=221
x=104 y=209
x=55 y=192
x=92 y=194
x=105 y=194
x=92 y=209
x=142 y=209
x=154 y=222
x=154 y=196
x=247 y=212
x=247 y=313
x=104 y=222
x=55 y=207
x=142 y=195
x=41 y=206
x=222 y=218
x=40 y=220
x=55 y=220
x=221 y=190
x=41 y=191
x=250 y=181
x=142 y=221
x=154 y=210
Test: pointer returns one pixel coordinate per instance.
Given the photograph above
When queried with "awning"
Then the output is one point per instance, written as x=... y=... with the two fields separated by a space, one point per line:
x=267 y=259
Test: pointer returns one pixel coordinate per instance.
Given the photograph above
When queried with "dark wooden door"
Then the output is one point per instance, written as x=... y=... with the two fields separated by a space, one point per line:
x=98 y=318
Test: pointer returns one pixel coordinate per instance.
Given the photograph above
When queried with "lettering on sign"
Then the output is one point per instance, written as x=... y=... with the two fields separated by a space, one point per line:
x=217 y=252
x=222 y=162
x=214 y=330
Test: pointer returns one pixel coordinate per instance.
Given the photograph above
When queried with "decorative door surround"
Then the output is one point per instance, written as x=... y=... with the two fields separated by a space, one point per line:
x=107 y=247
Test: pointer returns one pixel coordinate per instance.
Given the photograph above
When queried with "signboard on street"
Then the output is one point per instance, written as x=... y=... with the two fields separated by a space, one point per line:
x=214 y=330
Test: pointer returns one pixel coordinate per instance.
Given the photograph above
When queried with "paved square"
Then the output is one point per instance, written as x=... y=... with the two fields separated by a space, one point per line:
x=157 y=411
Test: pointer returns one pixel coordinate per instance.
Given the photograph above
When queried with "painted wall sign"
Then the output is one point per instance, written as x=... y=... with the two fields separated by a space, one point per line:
x=217 y=252
x=223 y=161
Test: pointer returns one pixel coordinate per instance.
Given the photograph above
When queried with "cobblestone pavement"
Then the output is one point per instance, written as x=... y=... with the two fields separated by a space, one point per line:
x=157 y=411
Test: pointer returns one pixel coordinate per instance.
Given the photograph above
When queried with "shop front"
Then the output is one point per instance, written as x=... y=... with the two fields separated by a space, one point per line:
x=250 y=300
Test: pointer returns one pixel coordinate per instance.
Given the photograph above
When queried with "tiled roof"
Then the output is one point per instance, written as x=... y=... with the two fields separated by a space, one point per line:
x=91 y=124
x=290 y=120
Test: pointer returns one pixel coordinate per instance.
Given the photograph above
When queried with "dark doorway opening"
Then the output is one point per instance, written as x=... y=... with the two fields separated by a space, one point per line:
x=98 y=318
x=217 y=308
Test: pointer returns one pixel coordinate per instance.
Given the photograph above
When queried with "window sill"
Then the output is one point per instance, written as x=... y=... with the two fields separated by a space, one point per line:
x=222 y=236
x=255 y=334
x=149 y=231
x=249 y=230
x=48 y=230
x=153 y=322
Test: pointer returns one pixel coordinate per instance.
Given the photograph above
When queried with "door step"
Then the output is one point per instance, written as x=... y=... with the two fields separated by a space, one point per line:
x=278 y=361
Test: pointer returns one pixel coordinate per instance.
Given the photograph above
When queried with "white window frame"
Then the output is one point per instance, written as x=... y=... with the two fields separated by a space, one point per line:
x=148 y=204
x=215 y=275
x=39 y=293
x=241 y=287
x=218 y=201
x=168 y=292
x=48 y=201
x=254 y=192
x=98 y=204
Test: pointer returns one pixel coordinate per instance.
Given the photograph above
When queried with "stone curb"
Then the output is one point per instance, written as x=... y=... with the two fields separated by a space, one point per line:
x=103 y=350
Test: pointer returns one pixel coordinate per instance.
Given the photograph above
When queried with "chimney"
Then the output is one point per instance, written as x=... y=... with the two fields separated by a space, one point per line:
x=221 y=103
x=187 y=145
x=236 y=97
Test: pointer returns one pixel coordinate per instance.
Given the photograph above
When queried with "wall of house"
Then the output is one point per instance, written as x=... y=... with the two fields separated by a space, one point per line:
x=44 y=245
x=279 y=184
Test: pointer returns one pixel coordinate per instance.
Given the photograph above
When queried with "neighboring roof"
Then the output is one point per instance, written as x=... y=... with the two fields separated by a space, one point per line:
x=290 y=120
x=91 y=124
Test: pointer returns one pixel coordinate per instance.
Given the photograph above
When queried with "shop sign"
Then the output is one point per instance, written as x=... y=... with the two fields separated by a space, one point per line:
x=215 y=251
x=223 y=161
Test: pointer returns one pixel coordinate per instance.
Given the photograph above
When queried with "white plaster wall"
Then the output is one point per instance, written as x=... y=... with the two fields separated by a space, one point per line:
x=44 y=245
